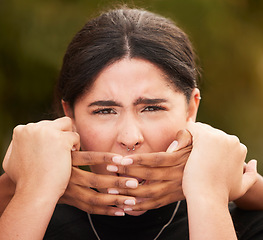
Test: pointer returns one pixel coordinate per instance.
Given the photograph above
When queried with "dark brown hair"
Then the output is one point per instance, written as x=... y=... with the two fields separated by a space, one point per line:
x=132 y=33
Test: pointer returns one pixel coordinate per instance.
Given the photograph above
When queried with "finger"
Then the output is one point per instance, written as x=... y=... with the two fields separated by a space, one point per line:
x=83 y=158
x=63 y=123
x=183 y=139
x=74 y=140
x=163 y=173
x=89 y=179
x=93 y=202
x=148 y=173
x=198 y=128
x=100 y=210
x=250 y=175
x=151 y=203
x=159 y=159
x=152 y=190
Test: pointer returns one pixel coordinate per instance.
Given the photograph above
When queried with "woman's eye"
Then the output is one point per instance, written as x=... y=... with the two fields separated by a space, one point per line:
x=104 y=111
x=153 y=108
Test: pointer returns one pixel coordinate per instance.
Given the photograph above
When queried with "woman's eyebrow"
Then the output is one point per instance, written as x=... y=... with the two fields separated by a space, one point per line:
x=106 y=103
x=149 y=101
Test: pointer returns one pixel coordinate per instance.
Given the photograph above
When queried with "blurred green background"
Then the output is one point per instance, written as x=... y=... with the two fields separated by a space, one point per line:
x=227 y=36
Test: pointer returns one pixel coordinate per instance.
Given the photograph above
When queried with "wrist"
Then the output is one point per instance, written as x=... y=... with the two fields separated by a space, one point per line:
x=209 y=218
x=207 y=200
x=37 y=192
x=204 y=195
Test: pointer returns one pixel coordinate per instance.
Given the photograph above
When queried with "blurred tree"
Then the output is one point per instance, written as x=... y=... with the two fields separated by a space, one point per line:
x=227 y=35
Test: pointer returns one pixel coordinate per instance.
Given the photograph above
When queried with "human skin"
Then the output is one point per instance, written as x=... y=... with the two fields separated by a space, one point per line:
x=83 y=195
x=38 y=191
x=211 y=180
x=77 y=194
x=39 y=184
x=117 y=116
x=128 y=102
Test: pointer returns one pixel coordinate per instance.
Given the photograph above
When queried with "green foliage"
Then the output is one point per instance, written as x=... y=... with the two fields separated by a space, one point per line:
x=227 y=35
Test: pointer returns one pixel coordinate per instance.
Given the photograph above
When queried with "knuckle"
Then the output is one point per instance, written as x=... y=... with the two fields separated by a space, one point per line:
x=235 y=139
x=88 y=156
x=125 y=170
x=158 y=159
x=43 y=122
x=67 y=120
x=108 y=211
x=126 y=192
x=31 y=125
x=151 y=194
x=117 y=201
x=118 y=183
x=138 y=158
x=138 y=208
x=169 y=174
x=94 y=181
x=18 y=129
x=94 y=200
x=157 y=204
x=90 y=209
x=172 y=198
x=106 y=158
x=148 y=173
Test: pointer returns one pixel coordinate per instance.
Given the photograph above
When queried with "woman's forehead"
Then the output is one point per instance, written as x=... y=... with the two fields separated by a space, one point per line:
x=131 y=75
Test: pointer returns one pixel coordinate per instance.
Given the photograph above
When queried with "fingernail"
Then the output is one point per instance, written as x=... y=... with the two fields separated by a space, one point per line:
x=113 y=191
x=172 y=146
x=119 y=213
x=126 y=161
x=127 y=209
x=73 y=149
x=117 y=159
x=132 y=184
x=130 y=202
x=112 y=168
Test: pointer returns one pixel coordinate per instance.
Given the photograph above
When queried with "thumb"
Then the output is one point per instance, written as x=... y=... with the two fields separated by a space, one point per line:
x=183 y=139
x=250 y=175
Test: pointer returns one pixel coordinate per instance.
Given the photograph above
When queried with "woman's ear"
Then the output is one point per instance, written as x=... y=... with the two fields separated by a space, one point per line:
x=69 y=113
x=193 y=105
x=67 y=109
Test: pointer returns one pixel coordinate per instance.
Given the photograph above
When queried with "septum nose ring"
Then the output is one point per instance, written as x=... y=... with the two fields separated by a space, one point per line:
x=133 y=147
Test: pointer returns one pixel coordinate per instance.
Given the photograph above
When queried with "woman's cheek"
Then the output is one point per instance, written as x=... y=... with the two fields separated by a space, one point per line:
x=92 y=139
x=161 y=139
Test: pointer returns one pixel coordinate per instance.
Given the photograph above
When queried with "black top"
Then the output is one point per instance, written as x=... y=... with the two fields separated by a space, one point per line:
x=69 y=223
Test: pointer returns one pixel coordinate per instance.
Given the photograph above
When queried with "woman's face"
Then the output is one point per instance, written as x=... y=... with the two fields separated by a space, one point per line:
x=131 y=103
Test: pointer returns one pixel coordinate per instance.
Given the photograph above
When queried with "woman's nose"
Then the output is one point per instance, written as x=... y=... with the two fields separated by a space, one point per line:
x=130 y=135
